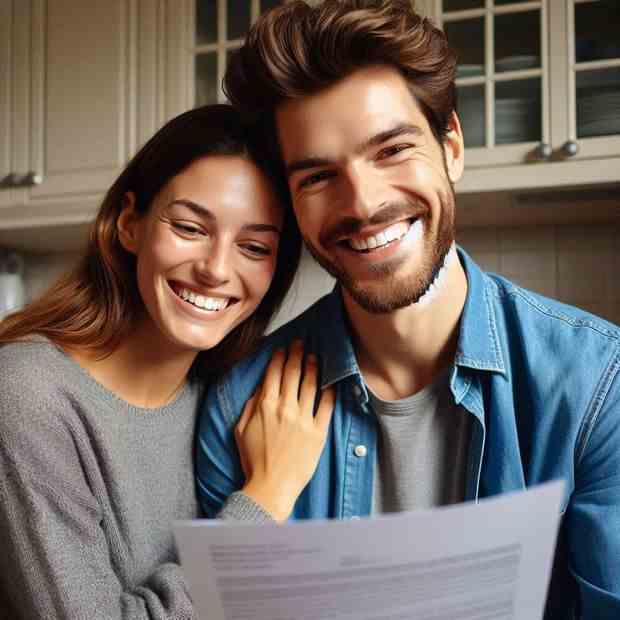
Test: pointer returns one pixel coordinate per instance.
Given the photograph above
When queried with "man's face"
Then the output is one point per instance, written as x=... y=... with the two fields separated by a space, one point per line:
x=371 y=186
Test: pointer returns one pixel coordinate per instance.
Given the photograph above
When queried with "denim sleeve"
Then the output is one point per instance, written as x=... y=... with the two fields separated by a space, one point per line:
x=218 y=469
x=593 y=517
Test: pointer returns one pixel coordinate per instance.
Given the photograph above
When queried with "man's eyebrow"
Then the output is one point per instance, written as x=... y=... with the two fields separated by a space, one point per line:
x=402 y=129
x=202 y=211
x=305 y=164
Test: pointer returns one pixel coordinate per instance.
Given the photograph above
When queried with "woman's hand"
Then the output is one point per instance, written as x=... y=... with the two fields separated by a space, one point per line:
x=279 y=439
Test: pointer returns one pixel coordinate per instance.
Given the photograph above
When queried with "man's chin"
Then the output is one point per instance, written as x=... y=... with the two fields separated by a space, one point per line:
x=384 y=290
x=384 y=299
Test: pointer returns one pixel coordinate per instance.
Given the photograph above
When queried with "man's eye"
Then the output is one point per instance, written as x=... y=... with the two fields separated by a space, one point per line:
x=391 y=151
x=313 y=179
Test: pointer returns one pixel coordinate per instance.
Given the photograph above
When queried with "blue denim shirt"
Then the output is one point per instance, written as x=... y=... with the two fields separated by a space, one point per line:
x=540 y=380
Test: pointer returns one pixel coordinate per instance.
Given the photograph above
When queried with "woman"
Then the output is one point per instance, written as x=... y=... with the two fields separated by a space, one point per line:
x=190 y=255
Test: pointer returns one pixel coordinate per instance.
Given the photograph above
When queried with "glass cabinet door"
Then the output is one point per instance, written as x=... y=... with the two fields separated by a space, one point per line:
x=585 y=79
x=219 y=27
x=595 y=64
x=502 y=98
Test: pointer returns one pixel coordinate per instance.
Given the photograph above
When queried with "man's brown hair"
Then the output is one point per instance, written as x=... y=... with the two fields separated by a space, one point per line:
x=296 y=50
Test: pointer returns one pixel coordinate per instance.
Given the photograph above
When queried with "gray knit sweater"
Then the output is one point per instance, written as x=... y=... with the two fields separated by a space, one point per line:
x=89 y=488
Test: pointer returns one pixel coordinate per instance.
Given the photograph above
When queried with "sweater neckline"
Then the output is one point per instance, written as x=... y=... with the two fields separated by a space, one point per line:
x=181 y=396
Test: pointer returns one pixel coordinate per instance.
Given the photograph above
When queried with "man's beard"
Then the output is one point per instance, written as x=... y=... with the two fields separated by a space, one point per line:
x=394 y=293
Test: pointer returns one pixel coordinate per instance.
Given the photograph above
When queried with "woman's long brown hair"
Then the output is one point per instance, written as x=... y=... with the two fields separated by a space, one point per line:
x=96 y=304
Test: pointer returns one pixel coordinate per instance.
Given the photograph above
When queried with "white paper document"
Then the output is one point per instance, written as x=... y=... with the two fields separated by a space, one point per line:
x=490 y=560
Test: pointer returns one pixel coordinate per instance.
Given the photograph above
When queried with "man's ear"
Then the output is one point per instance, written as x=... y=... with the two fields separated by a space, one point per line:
x=454 y=149
x=128 y=224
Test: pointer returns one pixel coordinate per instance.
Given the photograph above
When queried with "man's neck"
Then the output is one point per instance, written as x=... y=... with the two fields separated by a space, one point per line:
x=401 y=352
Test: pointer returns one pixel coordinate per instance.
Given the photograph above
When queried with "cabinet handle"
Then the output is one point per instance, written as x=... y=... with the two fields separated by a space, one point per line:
x=570 y=148
x=544 y=151
x=10 y=180
x=14 y=180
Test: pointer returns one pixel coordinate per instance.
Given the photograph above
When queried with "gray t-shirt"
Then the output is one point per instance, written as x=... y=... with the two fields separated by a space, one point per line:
x=89 y=488
x=421 y=451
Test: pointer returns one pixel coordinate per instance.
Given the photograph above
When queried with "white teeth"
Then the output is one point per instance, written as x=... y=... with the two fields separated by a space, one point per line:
x=200 y=301
x=391 y=233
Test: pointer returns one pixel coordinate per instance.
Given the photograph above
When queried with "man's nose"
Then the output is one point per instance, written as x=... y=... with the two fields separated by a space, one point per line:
x=213 y=269
x=363 y=192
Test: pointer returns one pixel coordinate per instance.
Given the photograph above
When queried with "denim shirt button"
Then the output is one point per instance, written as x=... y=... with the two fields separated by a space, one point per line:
x=357 y=391
x=360 y=450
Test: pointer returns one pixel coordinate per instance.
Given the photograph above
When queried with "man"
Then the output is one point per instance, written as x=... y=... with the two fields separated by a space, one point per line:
x=450 y=384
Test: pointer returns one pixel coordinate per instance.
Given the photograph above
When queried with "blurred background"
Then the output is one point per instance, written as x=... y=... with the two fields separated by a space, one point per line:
x=83 y=84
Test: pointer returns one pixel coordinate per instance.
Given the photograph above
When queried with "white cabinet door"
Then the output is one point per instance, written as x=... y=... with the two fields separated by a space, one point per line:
x=15 y=59
x=72 y=105
x=81 y=133
x=6 y=95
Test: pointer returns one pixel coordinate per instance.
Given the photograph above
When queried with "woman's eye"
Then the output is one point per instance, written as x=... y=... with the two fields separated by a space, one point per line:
x=256 y=250
x=313 y=179
x=189 y=229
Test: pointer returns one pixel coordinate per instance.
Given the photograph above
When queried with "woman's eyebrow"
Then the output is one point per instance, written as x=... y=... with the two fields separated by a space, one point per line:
x=261 y=228
x=202 y=211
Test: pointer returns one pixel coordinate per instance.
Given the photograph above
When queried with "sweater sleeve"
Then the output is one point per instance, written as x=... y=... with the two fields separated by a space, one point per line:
x=55 y=561
x=240 y=507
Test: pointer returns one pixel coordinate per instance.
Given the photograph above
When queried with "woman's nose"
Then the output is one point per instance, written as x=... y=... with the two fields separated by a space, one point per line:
x=214 y=268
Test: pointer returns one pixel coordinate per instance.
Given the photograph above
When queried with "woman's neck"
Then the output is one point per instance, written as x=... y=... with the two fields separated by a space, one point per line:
x=143 y=371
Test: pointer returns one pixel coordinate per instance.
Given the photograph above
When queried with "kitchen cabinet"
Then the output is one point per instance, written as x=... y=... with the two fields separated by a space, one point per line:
x=9 y=96
x=83 y=86
x=538 y=88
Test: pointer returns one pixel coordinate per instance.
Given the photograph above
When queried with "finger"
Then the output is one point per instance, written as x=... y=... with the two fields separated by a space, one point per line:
x=307 y=392
x=273 y=376
x=326 y=409
x=248 y=410
x=292 y=372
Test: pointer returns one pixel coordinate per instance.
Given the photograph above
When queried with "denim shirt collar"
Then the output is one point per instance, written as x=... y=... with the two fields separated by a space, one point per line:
x=335 y=340
x=478 y=343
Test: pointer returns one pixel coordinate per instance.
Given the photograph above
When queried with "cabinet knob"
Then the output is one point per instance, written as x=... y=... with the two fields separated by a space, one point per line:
x=544 y=151
x=32 y=178
x=570 y=148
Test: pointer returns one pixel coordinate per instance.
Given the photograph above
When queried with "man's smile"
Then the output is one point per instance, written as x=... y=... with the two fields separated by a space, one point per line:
x=377 y=240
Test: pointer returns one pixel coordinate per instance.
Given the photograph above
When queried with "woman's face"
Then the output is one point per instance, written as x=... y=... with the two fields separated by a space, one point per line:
x=206 y=250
